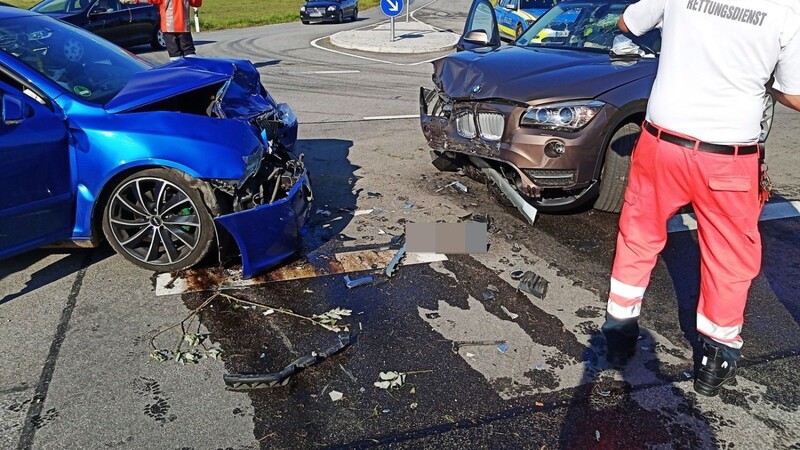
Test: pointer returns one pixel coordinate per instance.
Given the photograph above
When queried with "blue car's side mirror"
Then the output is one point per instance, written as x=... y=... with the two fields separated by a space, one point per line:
x=13 y=110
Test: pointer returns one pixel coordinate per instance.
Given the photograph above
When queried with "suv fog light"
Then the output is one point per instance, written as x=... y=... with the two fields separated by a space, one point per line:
x=554 y=149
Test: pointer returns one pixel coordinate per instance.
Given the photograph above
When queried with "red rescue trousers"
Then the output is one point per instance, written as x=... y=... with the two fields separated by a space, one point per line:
x=724 y=191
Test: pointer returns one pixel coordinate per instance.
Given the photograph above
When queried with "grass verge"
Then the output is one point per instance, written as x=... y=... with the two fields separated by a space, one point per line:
x=222 y=14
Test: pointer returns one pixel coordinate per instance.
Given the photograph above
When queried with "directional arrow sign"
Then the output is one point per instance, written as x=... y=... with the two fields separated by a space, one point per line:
x=392 y=7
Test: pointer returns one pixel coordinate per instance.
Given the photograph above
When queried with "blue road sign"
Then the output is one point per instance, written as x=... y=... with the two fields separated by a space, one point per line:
x=392 y=7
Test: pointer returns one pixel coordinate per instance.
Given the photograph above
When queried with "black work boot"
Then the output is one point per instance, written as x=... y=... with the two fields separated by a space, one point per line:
x=621 y=336
x=715 y=370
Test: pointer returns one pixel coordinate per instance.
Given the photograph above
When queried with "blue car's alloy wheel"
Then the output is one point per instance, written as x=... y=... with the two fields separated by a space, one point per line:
x=157 y=221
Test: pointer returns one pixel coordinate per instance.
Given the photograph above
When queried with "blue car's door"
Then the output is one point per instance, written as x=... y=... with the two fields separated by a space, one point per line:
x=37 y=201
x=481 y=27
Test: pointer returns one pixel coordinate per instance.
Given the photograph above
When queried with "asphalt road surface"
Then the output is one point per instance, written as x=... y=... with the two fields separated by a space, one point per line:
x=76 y=325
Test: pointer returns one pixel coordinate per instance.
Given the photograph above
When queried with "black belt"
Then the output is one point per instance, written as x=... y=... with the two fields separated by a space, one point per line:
x=702 y=146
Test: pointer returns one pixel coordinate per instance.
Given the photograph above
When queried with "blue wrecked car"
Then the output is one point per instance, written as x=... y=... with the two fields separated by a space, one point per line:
x=166 y=163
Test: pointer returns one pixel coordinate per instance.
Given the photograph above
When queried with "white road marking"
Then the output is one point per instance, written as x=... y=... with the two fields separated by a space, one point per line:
x=407 y=116
x=367 y=58
x=771 y=211
x=330 y=72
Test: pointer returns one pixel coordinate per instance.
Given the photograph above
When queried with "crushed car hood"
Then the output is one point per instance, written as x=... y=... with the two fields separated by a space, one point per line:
x=241 y=100
x=526 y=75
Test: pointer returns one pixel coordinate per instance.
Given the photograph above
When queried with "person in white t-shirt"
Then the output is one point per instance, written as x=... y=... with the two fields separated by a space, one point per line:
x=699 y=146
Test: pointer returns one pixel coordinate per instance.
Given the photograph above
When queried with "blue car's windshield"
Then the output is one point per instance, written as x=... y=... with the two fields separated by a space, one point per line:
x=590 y=26
x=85 y=65
x=62 y=6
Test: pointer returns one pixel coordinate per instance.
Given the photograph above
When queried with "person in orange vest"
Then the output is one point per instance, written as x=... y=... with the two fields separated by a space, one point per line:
x=175 y=25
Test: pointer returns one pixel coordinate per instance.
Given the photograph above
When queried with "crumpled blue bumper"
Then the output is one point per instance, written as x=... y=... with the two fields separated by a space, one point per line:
x=270 y=233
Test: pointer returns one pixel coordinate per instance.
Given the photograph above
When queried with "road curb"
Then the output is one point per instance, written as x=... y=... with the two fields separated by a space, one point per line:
x=411 y=38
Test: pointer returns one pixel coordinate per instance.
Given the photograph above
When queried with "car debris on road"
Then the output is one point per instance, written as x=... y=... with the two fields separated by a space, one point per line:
x=533 y=284
x=241 y=382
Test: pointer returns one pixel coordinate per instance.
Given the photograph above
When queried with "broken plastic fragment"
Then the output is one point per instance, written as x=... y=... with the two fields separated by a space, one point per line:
x=533 y=284
x=687 y=375
x=392 y=267
x=509 y=313
x=357 y=282
x=238 y=382
x=413 y=405
x=335 y=395
x=605 y=393
x=502 y=348
x=517 y=274
x=459 y=186
x=362 y=212
x=408 y=206
x=268 y=312
x=488 y=295
x=493 y=288
x=516 y=248
x=324 y=212
x=597 y=435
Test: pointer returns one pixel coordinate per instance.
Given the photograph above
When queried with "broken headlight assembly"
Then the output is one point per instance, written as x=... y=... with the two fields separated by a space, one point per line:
x=569 y=116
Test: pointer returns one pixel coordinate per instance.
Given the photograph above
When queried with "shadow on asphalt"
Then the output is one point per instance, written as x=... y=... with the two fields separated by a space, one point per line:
x=76 y=260
x=603 y=412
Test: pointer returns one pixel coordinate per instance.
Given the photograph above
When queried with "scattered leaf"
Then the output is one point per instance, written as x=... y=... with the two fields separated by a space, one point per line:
x=160 y=355
x=538 y=403
x=213 y=353
x=413 y=390
x=450 y=419
x=382 y=384
x=390 y=380
x=389 y=375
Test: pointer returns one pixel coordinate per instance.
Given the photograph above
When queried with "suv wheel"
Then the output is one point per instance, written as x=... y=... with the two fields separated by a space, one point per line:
x=617 y=165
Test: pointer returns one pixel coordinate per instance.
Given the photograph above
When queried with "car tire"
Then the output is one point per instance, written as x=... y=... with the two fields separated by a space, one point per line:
x=340 y=17
x=138 y=227
x=158 y=42
x=355 y=15
x=616 y=168
x=305 y=22
x=519 y=31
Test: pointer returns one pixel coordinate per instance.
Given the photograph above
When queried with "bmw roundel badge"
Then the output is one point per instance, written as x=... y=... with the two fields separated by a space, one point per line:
x=476 y=89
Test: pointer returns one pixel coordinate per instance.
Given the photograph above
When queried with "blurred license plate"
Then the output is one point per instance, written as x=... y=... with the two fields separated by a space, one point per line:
x=315 y=14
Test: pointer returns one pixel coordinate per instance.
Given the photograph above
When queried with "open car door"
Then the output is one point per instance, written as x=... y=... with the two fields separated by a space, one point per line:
x=36 y=195
x=481 y=27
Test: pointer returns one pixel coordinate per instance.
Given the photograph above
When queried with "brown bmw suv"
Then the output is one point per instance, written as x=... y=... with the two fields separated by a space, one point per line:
x=556 y=113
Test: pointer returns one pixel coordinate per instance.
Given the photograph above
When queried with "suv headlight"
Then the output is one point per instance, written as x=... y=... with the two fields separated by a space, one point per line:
x=302 y=8
x=331 y=8
x=570 y=116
